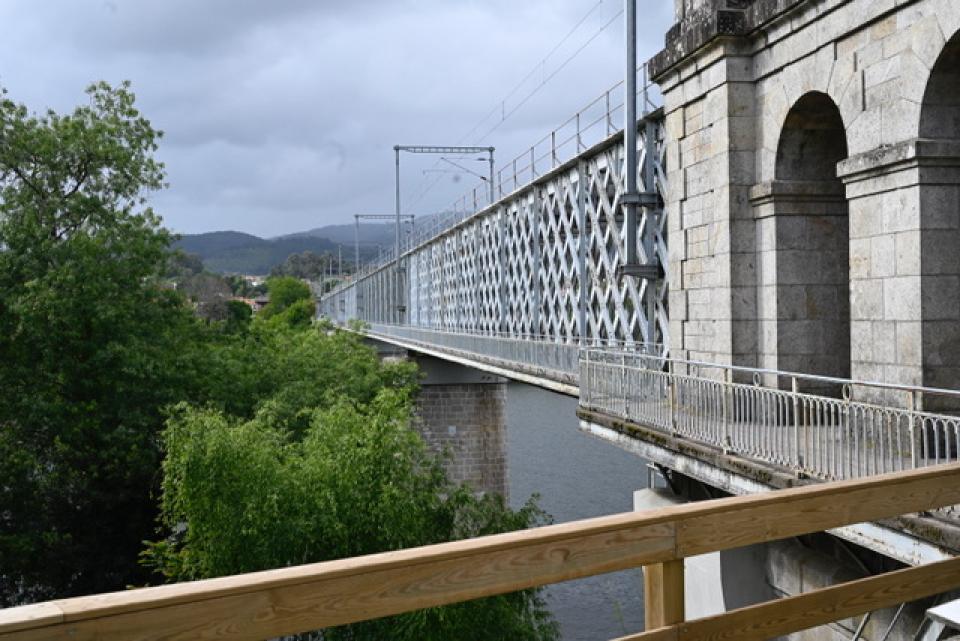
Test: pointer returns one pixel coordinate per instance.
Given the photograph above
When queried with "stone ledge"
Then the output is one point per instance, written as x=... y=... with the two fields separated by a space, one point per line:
x=903 y=155
x=717 y=18
x=799 y=191
x=755 y=471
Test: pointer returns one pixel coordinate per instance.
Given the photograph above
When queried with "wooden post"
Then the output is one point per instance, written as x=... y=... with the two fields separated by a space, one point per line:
x=663 y=594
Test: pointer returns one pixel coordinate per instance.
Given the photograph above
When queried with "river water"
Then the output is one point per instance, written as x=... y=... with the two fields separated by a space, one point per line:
x=577 y=476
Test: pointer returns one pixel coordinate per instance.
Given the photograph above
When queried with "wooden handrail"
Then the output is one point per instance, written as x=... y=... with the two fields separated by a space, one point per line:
x=267 y=604
x=795 y=613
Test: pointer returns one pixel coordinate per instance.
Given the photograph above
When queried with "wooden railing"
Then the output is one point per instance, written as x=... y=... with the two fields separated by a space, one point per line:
x=268 y=604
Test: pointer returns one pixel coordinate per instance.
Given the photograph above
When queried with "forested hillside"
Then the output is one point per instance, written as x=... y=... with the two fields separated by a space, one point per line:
x=232 y=252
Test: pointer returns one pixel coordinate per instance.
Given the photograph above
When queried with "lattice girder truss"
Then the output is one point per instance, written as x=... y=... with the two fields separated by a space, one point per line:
x=543 y=261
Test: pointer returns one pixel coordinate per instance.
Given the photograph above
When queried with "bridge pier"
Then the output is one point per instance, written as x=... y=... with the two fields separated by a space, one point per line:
x=462 y=411
x=813 y=155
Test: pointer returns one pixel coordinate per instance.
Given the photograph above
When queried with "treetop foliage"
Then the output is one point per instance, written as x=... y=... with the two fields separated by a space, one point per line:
x=284 y=291
x=93 y=348
x=269 y=441
x=89 y=170
x=324 y=471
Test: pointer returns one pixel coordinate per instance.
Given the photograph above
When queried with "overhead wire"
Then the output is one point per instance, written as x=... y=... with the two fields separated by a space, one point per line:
x=552 y=75
x=539 y=66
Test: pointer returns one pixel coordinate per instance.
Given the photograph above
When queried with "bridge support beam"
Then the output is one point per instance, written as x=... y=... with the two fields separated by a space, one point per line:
x=583 y=332
x=462 y=411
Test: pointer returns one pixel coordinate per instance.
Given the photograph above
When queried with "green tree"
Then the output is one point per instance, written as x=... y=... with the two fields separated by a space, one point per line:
x=181 y=265
x=284 y=291
x=325 y=471
x=306 y=265
x=92 y=346
x=240 y=286
x=299 y=314
x=239 y=316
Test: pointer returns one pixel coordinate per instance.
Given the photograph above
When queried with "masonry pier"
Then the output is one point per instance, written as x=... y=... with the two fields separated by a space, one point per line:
x=461 y=413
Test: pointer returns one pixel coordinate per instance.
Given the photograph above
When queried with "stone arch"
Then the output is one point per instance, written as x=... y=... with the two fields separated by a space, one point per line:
x=812 y=141
x=938 y=162
x=803 y=231
x=940 y=113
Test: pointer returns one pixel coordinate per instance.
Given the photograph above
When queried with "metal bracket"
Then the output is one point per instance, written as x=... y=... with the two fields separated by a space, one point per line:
x=649 y=199
x=641 y=199
x=649 y=271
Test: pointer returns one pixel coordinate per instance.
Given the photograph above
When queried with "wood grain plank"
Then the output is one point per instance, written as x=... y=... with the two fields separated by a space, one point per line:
x=732 y=523
x=792 y=614
x=276 y=602
x=663 y=594
x=660 y=634
x=381 y=589
x=30 y=616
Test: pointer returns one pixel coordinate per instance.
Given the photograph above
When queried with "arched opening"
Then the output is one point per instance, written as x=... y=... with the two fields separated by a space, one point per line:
x=808 y=301
x=939 y=166
x=940 y=117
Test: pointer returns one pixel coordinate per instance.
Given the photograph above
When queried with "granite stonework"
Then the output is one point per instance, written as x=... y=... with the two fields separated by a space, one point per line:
x=461 y=412
x=814 y=170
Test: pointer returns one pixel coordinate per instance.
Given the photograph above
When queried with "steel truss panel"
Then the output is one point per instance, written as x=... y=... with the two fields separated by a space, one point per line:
x=542 y=261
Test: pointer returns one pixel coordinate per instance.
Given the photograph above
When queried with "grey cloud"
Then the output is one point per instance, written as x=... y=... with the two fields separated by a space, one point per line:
x=282 y=115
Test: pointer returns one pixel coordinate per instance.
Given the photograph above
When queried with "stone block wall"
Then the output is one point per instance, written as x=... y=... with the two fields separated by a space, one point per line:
x=467 y=422
x=741 y=272
x=713 y=298
x=803 y=290
x=462 y=412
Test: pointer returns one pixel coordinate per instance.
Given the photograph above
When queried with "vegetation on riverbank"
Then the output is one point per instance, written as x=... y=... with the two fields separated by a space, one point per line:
x=234 y=445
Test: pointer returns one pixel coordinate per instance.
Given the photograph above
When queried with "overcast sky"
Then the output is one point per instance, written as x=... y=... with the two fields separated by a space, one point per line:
x=281 y=115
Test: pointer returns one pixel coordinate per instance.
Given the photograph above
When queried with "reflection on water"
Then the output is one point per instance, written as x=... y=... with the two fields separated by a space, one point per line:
x=577 y=476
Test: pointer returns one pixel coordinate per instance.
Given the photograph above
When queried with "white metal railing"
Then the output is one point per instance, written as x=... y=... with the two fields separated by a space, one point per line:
x=818 y=426
x=550 y=359
x=553 y=358
x=591 y=124
x=821 y=427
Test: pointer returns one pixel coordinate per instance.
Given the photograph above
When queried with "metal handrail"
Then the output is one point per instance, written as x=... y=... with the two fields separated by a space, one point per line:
x=802 y=428
x=592 y=342
x=817 y=378
x=550 y=359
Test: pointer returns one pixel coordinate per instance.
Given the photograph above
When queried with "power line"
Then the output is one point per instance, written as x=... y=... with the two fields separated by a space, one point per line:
x=536 y=67
x=501 y=103
x=536 y=90
x=552 y=75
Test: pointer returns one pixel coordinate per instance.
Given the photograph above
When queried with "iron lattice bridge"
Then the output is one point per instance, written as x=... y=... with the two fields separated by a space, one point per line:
x=542 y=262
x=531 y=288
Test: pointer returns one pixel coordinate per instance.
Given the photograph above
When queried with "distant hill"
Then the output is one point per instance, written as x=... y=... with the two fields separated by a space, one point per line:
x=230 y=252
x=345 y=234
x=234 y=252
x=370 y=233
x=216 y=241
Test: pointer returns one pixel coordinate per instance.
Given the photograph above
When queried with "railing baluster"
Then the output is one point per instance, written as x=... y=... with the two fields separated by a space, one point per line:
x=795 y=390
x=623 y=379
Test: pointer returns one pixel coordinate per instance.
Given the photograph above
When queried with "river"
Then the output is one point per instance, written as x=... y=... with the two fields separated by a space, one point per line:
x=577 y=476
